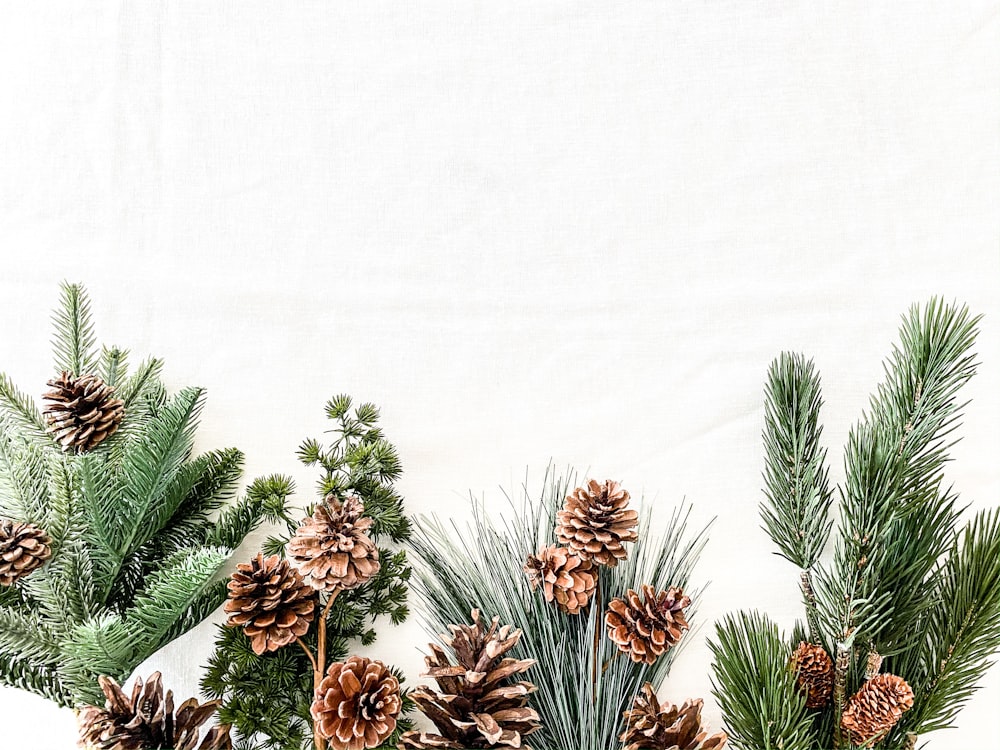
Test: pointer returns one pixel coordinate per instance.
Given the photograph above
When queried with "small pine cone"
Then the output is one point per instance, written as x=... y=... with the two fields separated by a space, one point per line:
x=332 y=549
x=23 y=548
x=876 y=708
x=813 y=669
x=147 y=720
x=651 y=726
x=595 y=524
x=646 y=627
x=271 y=602
x=82 y=411
x=357 y=703
x=563 y=576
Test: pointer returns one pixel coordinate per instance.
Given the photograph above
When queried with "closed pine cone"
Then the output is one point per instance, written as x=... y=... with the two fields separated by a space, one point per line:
x=332 y=549
x=652 y=726
x=82 y=411
x=478 y=706
x=357 y=703
x=23 y=548
x=564 y=576
x=645 y=627
x=271 y=602
x=147 y=720
x=813 y=669
x=595 y=523
x=876 y=708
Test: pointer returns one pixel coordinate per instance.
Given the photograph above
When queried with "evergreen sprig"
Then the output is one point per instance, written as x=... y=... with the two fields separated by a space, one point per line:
x=132 y=523
x=266 y=698
x=582 y=693
x=906 y=588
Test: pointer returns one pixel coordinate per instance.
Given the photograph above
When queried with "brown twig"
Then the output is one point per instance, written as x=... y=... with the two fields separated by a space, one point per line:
x=319 y=663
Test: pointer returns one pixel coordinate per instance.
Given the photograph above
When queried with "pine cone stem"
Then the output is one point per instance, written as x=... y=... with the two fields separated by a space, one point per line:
x=319 y=663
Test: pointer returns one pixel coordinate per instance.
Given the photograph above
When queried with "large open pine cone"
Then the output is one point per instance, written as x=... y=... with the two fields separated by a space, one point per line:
x=357 y=703
x=82 y=411
x=652 y=726
x=813 y=669
x=271 y=602
x=564 y=576
x=646 y=627
x=146 y=720
x=478 y=706
x=876 y=708
x=332 y=549
x=595 y=523
x=23 y=548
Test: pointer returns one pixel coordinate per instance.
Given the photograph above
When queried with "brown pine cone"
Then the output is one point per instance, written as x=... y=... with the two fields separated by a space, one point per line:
x=23 y=548
x=650 y=726
x=271 y=602
x=357 y=703
x=646 y=627
x=332 y=549
x=813 y=669
x=478 y=706
x=563 y=576
x=82 y=411
x=595 y=524
x=147 y=720
x=875 y=709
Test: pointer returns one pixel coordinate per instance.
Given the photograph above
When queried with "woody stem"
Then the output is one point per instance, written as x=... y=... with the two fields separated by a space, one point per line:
x=319 y=663
x=597 y=637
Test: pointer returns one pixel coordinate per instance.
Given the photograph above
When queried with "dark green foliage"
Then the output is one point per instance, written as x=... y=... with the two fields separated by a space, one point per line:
x=756 y=691
x=135 y=543
x=266 y=698
x=582 y=691
x=905 y=581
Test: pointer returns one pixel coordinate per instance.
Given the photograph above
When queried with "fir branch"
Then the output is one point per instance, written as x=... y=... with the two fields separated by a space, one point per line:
x=35 y=676
x=797 y=485
x=145 y=381
x=73 y=341
x=21 y=412
x=114 y=365
x=761 y=704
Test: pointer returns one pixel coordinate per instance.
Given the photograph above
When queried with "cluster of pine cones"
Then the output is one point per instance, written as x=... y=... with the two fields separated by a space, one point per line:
x=274 y=599
x=592 y=529
x=870 y=713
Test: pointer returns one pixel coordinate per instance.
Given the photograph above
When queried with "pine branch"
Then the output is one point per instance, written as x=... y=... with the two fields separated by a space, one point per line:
x=894 y=459
x=581 y=694
x=73 y=341
x=114 y=365
x=761 y=704
x=797 y=485
x=959 y=635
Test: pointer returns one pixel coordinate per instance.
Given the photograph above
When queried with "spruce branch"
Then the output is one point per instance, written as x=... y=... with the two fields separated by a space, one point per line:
x=128 y=519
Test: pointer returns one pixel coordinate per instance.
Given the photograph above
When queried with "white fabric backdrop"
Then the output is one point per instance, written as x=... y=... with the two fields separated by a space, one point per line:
x=564 y=230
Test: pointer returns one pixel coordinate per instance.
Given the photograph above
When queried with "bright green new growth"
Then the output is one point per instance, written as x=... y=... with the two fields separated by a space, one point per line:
x=906 y=581
x=480 y=565
x=266 y=698
x=137 y=536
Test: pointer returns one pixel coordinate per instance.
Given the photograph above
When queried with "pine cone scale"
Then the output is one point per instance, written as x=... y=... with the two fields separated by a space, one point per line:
x=23 y=549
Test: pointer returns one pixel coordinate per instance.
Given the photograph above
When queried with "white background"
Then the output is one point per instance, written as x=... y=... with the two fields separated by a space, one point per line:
x=553 y=230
